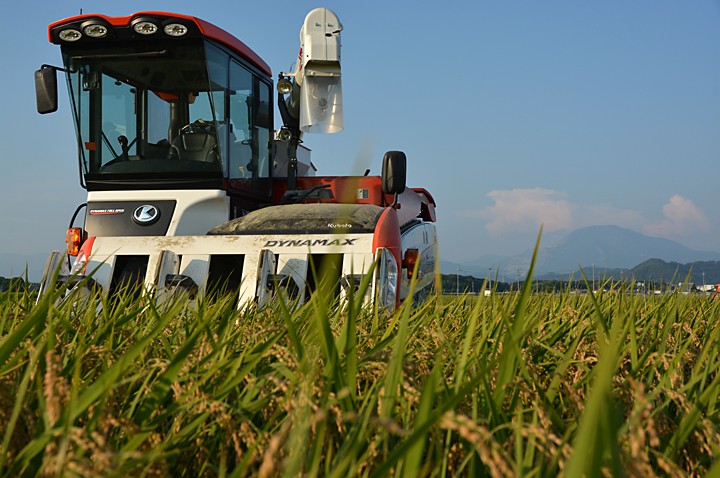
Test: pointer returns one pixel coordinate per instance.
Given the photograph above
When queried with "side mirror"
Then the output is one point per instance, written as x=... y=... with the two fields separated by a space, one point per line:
x=46 y=89
x=394 y=170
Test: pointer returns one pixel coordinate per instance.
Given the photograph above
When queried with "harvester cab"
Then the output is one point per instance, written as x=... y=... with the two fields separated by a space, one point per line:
x=189 y=184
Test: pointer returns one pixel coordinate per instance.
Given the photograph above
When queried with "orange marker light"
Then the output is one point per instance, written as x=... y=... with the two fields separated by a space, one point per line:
x=73 y=238
x=411 y=257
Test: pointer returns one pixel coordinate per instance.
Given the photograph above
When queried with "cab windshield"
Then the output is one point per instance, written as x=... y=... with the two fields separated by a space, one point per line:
x=164 y=114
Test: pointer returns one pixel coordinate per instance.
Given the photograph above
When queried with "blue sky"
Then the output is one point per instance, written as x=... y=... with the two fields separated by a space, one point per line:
x=513 y=114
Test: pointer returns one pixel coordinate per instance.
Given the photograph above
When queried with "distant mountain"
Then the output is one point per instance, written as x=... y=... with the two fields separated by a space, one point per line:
x=614 y=247
x=604 y=247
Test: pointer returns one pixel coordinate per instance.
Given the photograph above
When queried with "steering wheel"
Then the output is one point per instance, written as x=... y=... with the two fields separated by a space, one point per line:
x=198 y=126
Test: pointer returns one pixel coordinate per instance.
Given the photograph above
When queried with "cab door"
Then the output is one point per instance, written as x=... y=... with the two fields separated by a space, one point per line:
x=249 y=128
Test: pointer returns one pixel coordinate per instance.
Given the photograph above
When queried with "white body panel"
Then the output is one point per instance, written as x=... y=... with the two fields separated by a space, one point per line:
x=196 y=210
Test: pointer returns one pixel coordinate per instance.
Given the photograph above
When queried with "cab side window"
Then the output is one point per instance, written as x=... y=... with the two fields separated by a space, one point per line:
x=242 y=158
x=249 y=125
x=263 y=125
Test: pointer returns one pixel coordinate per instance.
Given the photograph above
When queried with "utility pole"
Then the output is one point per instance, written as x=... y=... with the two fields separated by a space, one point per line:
x=457 y=281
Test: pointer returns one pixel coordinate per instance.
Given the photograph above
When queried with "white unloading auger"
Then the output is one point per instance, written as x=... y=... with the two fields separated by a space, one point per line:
x=316 y=94
x=310 y=98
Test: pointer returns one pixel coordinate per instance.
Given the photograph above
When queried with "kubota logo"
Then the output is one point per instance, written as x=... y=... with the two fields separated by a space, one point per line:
x=146 y=215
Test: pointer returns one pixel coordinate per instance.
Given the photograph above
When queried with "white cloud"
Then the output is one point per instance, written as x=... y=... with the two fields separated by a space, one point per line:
x=682 y=219
x=522 y=211
x=525 y=210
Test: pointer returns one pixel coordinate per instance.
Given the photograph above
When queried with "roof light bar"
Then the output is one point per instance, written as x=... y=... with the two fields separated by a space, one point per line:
x=142 y=27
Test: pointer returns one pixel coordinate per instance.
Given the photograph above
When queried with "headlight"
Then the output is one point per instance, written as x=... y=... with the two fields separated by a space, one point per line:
x=145 y=28
x=387 y=280
x=95 y=31
x=175 y=29
x=70 y=34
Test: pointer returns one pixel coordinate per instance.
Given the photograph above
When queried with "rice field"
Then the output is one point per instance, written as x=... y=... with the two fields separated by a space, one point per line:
x=524 y=384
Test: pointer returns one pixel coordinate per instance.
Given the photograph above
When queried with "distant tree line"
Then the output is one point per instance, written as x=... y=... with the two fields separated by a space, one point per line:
x=14 y=283
x=651 y=275
x=457 y=284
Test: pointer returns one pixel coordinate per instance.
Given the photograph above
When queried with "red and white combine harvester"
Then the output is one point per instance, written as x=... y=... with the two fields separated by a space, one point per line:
x=191 y=188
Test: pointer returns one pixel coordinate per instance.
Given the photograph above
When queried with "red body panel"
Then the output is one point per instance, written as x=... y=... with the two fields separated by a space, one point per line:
x=387 y=235
x=86 y=250
x=412 y=204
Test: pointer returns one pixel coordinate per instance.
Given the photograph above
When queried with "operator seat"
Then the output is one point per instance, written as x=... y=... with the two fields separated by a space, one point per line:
x=196 y=142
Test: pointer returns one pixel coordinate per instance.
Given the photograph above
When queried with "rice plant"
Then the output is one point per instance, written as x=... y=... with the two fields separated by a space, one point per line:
x=525 y=384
